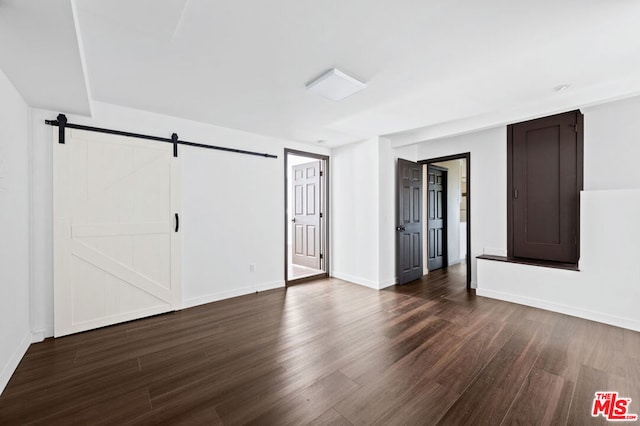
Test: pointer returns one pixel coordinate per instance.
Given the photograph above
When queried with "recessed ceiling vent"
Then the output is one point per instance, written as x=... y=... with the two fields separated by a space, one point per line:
x=335 y=85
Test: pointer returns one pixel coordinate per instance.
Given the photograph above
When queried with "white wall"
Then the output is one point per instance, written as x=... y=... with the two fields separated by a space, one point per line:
x=15 y=331
x=233 y=206
x=364 y=211
x=607 y=288
x=355 y=213
x=612 y=145
x=488 y=187
x=607 y=285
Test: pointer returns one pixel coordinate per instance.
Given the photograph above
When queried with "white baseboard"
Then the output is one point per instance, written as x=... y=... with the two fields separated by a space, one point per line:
x=228 y=294
x=388 y=283
x=12 y=364
x=39 y=336
x=563 y=309
x=474 y=284
x=45 y=333
x=356 y=280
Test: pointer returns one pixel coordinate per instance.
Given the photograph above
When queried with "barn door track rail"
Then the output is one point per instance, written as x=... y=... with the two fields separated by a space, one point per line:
x=62 y=123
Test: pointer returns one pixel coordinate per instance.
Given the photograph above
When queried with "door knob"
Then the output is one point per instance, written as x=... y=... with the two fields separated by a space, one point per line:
x=293 y=220
x=401 y=228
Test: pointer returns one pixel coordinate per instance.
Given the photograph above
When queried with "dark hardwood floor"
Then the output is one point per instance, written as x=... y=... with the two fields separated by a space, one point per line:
x=330 y=352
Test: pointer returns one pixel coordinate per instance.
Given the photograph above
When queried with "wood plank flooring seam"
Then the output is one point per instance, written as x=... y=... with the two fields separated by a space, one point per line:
x=520 y=389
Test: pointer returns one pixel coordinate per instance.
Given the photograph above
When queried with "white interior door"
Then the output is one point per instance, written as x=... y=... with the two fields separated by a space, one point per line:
x=306 y=215
x=116 y=243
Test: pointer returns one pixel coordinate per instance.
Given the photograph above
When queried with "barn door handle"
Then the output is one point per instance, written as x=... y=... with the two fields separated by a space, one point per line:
x=177 y=222
x=401 y=228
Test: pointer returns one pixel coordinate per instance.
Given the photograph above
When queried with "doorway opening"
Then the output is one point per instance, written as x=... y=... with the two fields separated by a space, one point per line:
x=446 y=213
x=306 y=216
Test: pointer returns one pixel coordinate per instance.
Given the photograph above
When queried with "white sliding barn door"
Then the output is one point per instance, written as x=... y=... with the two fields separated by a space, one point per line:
x=116 y=249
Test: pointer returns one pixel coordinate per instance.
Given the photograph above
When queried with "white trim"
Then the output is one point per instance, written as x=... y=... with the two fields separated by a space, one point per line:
x=563 y=309
x=388 y=283
x=228 y=294
x=39 y=336
x=61 y=232
x=32 y=239
x=45 y=332
x=356 y=280
x=474 y=284
x=176 y=237
x=10 y=367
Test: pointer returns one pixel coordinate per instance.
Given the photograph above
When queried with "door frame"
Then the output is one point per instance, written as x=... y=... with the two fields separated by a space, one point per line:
x=445 y=220
x=324 y=200
x=463 y=156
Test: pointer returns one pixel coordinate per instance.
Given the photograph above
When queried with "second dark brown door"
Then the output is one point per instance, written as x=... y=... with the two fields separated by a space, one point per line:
x=436 y=217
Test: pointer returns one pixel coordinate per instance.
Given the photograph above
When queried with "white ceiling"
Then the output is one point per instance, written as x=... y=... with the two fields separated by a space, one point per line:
x=432 y=68
x=40 y=56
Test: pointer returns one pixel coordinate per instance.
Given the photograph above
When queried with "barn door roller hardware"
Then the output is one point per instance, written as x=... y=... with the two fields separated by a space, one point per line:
x=62 y=123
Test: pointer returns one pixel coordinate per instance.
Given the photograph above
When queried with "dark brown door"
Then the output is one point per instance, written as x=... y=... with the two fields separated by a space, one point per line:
x=436 y=217
x=545 y=187
x=306 y=215
x=409 y=229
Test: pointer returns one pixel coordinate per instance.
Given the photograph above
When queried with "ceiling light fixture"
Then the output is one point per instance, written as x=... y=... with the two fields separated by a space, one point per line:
x=335 y=85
